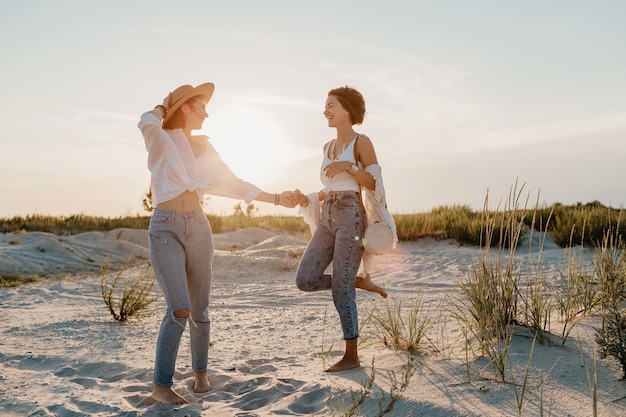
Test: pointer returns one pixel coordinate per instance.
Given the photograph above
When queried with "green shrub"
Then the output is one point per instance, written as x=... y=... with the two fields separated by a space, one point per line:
x=610 y=270
x=611 y=338
x=584 y=224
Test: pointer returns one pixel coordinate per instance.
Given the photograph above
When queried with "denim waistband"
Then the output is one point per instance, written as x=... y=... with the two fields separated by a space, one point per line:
x=173 y=214
x=340 y=195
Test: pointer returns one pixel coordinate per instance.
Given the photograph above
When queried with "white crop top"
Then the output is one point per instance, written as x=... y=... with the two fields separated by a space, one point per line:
x=342 y=181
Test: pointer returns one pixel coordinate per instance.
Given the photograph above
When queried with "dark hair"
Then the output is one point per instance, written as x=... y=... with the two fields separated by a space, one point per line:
x=351 y=100
x=177 y=120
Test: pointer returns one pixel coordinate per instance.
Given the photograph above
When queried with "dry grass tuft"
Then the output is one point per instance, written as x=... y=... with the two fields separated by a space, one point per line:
x=126 y=296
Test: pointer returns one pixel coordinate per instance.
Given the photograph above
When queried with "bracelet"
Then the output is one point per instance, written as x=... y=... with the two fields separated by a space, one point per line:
x=276 y=199
x=162 y=108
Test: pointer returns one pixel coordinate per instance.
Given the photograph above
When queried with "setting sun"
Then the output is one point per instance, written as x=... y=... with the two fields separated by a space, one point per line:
x=449 y=105
x=248 y=141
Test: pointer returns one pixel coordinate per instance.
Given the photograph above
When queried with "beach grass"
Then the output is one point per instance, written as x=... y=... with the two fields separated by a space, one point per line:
x=580 y=223
x=493 y=298
x=401 y=323
x=15 y=280
x=500 y=293
x=610 y=272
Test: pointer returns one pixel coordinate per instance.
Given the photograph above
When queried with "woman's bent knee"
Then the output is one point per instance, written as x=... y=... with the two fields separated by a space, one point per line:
x=303 y=283
x=182 y=314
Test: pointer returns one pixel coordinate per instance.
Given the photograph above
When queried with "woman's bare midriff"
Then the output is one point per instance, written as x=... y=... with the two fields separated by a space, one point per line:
x=186 y=201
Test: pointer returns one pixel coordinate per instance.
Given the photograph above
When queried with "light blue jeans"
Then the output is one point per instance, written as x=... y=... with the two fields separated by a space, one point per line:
x=337 y=239
x=181 y=251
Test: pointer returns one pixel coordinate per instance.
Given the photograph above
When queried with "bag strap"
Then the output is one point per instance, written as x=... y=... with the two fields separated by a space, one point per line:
x=363 y=215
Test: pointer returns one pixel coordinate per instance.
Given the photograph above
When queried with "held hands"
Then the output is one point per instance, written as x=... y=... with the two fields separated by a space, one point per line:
x=292 y=198
x=300 y=198
x=287 y=199
x=336 y=168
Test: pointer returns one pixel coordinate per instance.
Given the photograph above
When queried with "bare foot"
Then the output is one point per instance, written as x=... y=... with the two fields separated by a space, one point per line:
x=344 y=364
x=201 y=382
x=166 y=395
x=368 y=285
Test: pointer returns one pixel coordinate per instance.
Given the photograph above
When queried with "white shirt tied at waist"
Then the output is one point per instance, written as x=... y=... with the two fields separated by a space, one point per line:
x=176 y=169
x=374 y=203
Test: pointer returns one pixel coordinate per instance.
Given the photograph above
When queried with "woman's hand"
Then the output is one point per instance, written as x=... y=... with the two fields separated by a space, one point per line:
x=166 y=101
x=287 y=199
x=336 y=167
x=300 y=198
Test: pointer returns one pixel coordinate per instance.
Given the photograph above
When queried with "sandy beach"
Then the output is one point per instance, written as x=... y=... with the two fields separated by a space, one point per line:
x=62 y=354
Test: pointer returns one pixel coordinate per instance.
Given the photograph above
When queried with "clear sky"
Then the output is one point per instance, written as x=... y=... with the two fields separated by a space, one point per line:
x=462 y=96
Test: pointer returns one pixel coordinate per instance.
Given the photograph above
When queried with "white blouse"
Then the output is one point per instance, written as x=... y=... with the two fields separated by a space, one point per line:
x=175 y=169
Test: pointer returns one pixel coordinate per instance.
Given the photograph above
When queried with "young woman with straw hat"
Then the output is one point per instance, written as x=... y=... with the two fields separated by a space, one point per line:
x=183 y=168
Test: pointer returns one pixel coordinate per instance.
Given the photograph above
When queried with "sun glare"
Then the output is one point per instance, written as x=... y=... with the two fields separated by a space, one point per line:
x=252 y=144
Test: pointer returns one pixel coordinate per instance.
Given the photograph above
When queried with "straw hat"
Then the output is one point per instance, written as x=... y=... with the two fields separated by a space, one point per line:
x=186 y=92
x=378 y=238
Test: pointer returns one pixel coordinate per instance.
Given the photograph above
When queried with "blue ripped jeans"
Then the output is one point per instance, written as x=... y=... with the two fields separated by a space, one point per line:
x=181 y=251
x=337 y=239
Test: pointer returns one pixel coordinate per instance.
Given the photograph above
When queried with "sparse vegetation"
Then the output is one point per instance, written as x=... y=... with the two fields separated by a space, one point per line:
x=401 y=328
x=498 y=293
x=14 y=280
x=386 y=401
x=128 y=296
x=610 y=269
x=575 y=293
x=456 y=222
x=81 y=223
x=494 y=300
x=357 y=398
x=489 y=302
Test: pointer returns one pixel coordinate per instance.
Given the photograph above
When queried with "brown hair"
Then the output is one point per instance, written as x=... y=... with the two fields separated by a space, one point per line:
x=177 y=120
x=351 y=100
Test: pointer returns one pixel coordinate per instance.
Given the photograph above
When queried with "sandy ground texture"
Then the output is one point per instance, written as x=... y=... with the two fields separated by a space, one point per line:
x=62 y=354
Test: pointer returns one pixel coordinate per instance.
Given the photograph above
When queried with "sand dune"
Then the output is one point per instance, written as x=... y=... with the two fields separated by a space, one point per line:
x=61 y=354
